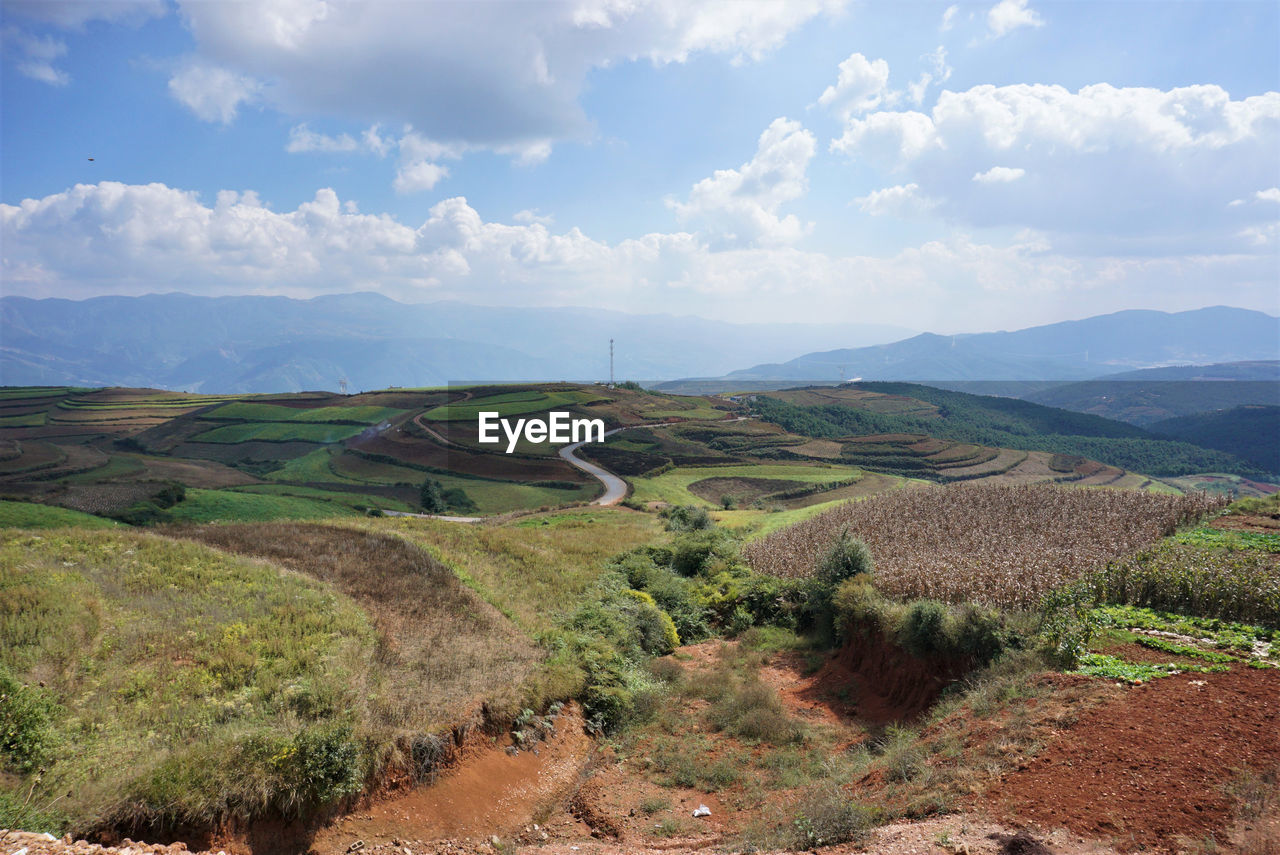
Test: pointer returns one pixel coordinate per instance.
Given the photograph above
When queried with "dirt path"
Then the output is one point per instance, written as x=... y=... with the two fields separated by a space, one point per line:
x=490 y=792
x=1153 y=764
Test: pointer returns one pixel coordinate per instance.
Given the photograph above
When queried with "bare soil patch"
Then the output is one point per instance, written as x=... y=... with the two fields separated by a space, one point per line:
x=742 y=489
x=1153 y=765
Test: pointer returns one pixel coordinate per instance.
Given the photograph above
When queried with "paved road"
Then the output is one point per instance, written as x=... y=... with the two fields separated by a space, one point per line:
x=615 y=489
x=432 y=516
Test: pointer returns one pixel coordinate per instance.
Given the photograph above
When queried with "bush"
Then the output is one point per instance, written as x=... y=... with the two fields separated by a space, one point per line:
x=687 y=518
x=25 y=714
x=1068 y=623
x=826 y=816
x=728 y=502
x=847 y=558
x=431 y=497
x=924 y=630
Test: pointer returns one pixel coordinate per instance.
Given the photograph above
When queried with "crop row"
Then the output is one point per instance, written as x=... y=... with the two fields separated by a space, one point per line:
x=1002 y=546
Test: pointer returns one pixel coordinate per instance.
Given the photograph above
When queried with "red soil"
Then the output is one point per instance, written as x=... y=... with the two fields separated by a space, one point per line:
x=1152 y=765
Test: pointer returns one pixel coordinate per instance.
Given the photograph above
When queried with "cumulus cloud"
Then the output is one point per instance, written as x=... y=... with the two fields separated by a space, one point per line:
x=131 y=239
x=1269 y=195
x=503 y=76
x=903 y=200
x=738 y=207
x=861 y=85
x=1009 y=15
x=418 y=175
x=999 y=175
x=213 y=94
x=1115 y=162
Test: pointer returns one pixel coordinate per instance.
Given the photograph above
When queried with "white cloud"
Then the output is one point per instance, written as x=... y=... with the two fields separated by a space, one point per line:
x=1009 y=15
x=861 y=85
x=903 y=200
x=1117 y=164
x=302 y=139
x=530 y=216
x=999 y=175
x=213 y=94
x=739 y=207
x=375 y=142
x=1269 y=195
x=418 y=175
x=939 y=73
x=115 y=238
x=500 y=76
x=35 y=55
x=949 y=18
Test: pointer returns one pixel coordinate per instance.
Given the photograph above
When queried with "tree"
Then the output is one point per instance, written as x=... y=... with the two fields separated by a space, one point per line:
x=432 y=497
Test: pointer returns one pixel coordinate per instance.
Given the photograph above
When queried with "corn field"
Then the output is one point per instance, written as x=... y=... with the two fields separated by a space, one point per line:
x=1001 y=546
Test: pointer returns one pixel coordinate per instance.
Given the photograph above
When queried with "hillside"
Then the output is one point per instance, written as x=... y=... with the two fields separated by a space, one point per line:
x=275 y=344
x=1145 y=397
x=1249 y=433
x=1071 y=350
x=869 y=409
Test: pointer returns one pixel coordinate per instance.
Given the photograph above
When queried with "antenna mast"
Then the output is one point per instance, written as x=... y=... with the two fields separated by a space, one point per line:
x=342 y=384
x=610 y=363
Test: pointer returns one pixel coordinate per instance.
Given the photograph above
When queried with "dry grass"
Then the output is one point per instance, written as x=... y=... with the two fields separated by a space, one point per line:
x=996 y=545
x=440 y=645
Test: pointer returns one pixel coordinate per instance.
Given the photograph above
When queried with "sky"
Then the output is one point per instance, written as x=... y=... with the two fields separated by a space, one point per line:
x=950 y=167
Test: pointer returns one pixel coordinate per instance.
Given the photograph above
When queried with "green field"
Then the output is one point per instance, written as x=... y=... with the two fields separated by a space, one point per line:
x=24 y=420
x=310 y=467
x=212 y=505
x=354 y=501
x=278 y=432
x=506 y=405
x=28 y=515
x=673 y=486
x=245 y=412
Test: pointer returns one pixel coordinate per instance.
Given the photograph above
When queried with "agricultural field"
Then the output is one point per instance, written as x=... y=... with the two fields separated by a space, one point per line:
x=999 y=546
x=705 y=485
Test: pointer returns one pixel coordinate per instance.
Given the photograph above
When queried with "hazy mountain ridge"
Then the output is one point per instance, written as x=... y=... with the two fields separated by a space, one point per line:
x=1070 y=350
x=274 y=344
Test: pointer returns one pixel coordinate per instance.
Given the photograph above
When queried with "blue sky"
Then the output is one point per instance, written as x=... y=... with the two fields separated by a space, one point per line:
x=954 y=167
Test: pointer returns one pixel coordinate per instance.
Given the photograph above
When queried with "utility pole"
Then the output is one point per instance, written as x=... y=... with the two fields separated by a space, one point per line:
x=610 y=363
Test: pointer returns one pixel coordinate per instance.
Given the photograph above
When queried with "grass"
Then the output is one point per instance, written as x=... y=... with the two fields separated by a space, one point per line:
x=507 y=405
x=24 y=420
x=313 y=466
x=28 y=515
x=178 y=683
x=226 y=505
x=355 y=501
x=1227 y=539
x=673 y=486
x=278 y=432
x=532 y=572
x=246 y=412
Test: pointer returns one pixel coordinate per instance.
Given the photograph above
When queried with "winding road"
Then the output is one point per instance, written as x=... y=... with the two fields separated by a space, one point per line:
x=615 y=489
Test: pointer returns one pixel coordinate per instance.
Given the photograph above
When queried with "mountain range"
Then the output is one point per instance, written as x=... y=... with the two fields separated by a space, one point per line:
x=1070 y=350
x=278 y=344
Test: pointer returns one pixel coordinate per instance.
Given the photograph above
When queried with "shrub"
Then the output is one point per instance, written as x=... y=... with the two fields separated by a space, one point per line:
x=728 y=502
x=847 y=558
x=25 y=714
x=431 y=497
x=924 y=629
x=1068 y=622
x=687 y=518
x=826 y=816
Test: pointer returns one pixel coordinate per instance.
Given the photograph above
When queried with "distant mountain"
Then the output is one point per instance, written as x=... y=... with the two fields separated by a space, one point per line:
x=1247 y=432
x=1072 y=350
x=1151 y=396
x=277 y=344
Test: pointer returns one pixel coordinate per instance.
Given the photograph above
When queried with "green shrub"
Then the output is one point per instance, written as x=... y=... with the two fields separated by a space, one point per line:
x=826 y=816
x=687 y=518
x=25 y=713
x=431 y=497
x=847 y=558
x=728 y=502
x=924 y=629
x=1068 y=622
